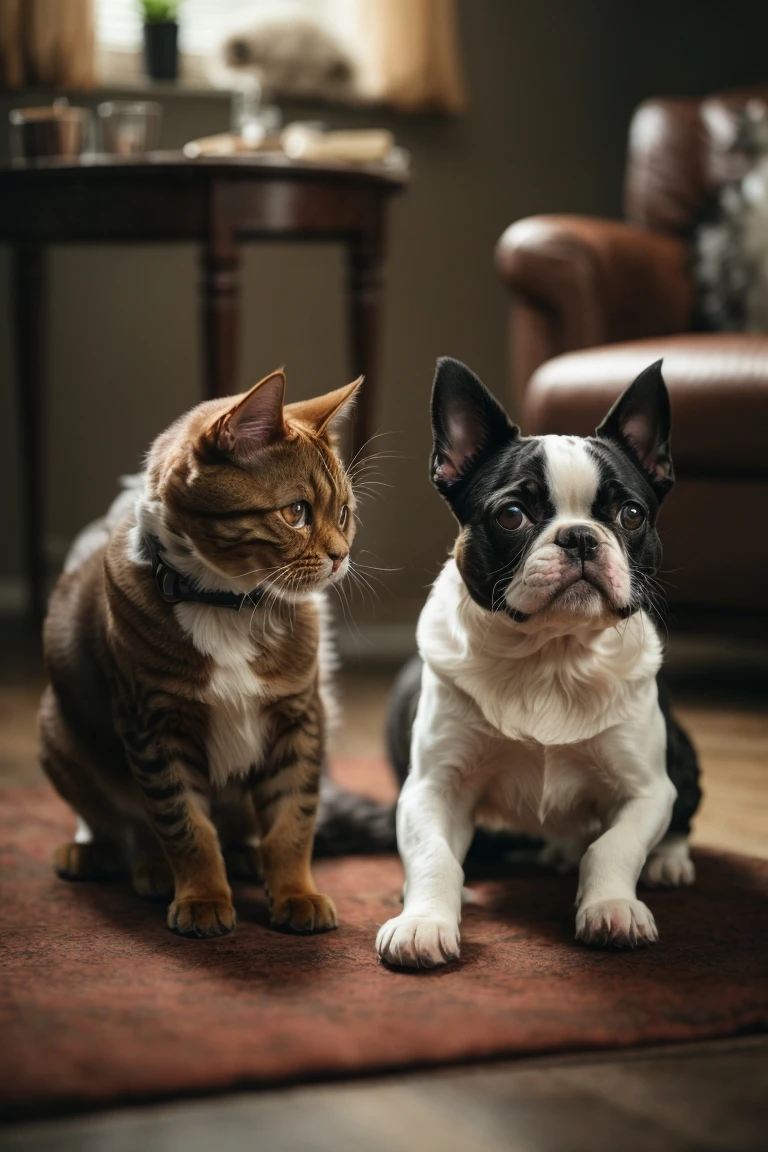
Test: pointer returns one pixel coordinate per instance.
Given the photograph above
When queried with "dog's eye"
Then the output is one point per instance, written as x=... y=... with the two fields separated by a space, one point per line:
x=298 y=515
x=344 y=516
x=511 y=518
x=631 y=517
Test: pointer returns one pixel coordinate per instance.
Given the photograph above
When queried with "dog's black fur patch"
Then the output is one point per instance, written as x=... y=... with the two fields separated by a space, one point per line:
x=480 y=462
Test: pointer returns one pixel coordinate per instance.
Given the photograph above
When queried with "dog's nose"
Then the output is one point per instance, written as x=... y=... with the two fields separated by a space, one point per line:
x=579 y=540
x=337 y=559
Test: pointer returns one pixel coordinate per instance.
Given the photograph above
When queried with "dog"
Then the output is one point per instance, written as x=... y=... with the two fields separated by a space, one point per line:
x=538 y=702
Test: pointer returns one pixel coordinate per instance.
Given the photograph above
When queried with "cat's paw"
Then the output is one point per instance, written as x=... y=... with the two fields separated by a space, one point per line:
x=616 y=924
x=153 y=880
x=305 y=912
x=201 y=918
x=418 y=942
x=93 y=861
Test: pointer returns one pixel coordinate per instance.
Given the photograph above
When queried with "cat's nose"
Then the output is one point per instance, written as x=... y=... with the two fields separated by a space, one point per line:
x=579 y=541
x=337 y=559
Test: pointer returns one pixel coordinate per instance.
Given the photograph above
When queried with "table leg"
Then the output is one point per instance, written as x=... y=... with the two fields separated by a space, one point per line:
x=364 y=289
x=29 y=329
x=221 y=313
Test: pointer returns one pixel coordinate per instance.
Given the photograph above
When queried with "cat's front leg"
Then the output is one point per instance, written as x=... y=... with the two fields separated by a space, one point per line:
x=286 y=792
x=202 y=903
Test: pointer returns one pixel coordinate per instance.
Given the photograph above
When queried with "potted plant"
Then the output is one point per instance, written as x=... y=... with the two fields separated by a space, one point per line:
x=161 y=29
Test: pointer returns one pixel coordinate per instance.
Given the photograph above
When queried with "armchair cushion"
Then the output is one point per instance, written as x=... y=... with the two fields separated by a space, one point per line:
x=604 y=280
x=718 y=385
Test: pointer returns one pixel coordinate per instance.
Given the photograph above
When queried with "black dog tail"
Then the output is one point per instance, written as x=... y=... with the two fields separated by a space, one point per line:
x=352 y=825
x=348 y=824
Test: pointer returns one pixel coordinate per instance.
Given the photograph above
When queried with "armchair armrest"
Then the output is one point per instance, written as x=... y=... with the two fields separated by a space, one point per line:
x=580 y=282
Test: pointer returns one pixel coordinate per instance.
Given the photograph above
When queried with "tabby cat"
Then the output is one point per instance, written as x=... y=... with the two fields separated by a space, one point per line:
x=184 y=720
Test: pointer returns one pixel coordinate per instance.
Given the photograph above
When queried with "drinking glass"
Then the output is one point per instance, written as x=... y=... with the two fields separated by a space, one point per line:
x=129 y=127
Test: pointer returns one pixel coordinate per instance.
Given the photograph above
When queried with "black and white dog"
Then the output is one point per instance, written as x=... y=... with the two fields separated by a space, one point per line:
x=538 y=703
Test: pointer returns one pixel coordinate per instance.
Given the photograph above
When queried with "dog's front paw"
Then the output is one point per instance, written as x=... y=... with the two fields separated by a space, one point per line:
x=616 y=924
x=669 y=866
x=418 y=941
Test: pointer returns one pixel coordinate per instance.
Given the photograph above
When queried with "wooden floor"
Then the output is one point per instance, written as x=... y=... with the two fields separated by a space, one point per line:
x=707 y=1096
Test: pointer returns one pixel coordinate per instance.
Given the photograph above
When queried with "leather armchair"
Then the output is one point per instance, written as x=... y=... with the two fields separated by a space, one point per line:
x=595 y=301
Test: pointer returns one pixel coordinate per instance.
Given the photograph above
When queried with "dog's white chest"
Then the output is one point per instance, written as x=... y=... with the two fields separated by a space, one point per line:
x=235 y=695
x=542 y=789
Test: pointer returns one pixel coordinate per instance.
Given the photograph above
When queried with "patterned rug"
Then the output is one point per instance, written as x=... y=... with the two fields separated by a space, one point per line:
x=100 y=1004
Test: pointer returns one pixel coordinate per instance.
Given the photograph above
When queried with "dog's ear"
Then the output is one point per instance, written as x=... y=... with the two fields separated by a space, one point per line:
x=640 y=423
x=467 y=424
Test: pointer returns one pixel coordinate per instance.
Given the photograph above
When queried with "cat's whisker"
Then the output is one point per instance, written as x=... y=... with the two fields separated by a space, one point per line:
x=375 y=567
x=364 y=583
x=355 y=624
x=371 y=484
x=369 y=576
x=254 y=571
x=370 y=461
x=363 y=446
x=348 y=616
x=369 y=469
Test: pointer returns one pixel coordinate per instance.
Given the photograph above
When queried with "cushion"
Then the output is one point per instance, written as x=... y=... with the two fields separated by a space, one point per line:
x=718 y=385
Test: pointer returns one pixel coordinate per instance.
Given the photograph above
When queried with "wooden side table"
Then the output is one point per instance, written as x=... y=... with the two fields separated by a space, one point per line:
x=219 y=203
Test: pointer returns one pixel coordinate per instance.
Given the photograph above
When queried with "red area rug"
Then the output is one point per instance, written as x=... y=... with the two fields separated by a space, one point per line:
x=100 y=1004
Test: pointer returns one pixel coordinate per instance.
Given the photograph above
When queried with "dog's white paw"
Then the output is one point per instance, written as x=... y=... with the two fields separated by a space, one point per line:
x=616 y=924
x=418 y=941
x=669 y=865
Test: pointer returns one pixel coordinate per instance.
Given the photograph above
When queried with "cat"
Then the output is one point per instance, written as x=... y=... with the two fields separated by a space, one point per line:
x=185 y=643
x=286 y=55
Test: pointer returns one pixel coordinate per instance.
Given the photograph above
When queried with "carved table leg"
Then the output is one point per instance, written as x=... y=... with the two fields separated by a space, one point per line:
x=29 y=325
x=364 y=294
x=221 y=313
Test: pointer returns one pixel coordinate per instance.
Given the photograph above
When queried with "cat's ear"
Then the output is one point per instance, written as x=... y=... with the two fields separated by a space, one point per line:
x=640 y=424
x=467 y=423
x=322 y=413
x=254 y=420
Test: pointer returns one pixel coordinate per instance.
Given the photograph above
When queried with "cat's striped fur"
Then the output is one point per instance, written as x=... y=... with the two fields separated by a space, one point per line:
x=184 y=735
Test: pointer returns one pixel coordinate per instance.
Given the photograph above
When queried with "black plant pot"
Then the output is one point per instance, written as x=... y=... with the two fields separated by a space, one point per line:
x=161 y=53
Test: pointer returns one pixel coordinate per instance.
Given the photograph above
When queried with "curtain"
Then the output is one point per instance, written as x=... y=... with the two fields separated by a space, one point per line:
x=47 y=44
x=410 y=53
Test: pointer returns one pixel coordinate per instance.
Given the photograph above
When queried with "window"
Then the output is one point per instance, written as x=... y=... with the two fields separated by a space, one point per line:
x=203 y=24
x=404 y=52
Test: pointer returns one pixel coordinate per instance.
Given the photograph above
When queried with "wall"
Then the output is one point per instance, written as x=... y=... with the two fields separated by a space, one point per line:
x=552 y=87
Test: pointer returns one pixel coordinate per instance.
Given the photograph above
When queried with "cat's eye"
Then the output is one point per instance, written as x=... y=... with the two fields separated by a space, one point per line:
x=298 y=514
x=344 y=516
x=511 y=518
x=631 y=517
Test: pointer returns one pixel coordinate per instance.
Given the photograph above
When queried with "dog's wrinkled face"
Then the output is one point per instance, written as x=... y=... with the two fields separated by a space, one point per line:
x=555 y=530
